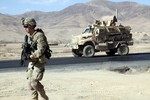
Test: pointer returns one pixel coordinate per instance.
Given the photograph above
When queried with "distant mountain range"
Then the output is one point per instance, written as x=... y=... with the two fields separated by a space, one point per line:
x=61 y=25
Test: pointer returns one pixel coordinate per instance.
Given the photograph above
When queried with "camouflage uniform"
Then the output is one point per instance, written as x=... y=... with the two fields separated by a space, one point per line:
x=36 y=62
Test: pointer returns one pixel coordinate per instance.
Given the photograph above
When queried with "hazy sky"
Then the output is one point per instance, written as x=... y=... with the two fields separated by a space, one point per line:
x=14 y=7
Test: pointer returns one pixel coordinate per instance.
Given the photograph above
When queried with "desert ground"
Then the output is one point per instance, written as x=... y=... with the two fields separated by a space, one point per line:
x=78 y=85
x=70 y=84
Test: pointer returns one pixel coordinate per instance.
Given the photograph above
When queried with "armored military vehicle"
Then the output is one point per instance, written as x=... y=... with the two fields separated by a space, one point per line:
x=104 y=36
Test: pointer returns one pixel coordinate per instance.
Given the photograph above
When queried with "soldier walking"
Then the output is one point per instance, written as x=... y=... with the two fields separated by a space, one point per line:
x=37 y=59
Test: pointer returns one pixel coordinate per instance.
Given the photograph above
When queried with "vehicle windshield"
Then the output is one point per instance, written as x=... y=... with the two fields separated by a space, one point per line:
x=88 y=30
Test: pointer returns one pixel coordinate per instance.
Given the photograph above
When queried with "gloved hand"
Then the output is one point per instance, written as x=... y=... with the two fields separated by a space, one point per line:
x=32 y=58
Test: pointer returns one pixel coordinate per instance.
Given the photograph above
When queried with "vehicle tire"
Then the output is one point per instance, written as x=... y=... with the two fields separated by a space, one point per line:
x=123 y=49
x=88 y=51
x=76 y=53
x=111 y=52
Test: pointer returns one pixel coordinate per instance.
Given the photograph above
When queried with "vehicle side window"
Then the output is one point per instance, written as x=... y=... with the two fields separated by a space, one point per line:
x=87 y=31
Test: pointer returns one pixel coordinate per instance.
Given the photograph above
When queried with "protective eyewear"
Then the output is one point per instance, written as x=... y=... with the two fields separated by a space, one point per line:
x=25 y=26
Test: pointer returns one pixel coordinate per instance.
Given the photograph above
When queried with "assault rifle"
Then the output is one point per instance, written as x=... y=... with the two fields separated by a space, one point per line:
x=26 y=51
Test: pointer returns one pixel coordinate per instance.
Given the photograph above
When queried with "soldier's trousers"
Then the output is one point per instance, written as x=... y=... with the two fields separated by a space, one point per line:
x=34 y=75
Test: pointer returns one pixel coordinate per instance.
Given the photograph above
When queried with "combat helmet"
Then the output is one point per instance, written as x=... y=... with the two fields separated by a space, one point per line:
x=28 y=21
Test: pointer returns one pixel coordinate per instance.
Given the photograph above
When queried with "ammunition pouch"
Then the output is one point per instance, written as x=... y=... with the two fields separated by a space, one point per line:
x=47 y=53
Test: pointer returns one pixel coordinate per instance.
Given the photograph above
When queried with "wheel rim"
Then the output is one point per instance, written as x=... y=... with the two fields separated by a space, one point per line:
x=88 y=51
x=123 y=49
